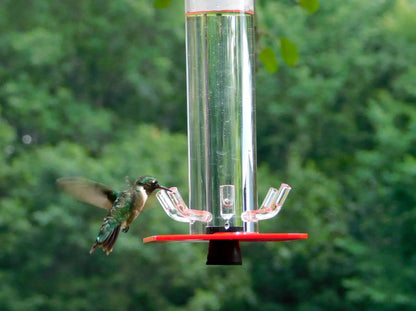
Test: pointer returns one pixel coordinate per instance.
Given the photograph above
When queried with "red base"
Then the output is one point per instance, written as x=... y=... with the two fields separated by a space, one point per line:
x=240 y=236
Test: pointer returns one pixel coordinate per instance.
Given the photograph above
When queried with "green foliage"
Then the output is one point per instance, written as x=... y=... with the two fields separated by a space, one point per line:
x=344 y=134
x=310 y=6
x=269 y=60
x=289 y=52
x=162 y=4
x=97 y=89
x=288 y=49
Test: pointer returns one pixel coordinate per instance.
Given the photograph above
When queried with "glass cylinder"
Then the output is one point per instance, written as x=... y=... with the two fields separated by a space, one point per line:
x=221 y=109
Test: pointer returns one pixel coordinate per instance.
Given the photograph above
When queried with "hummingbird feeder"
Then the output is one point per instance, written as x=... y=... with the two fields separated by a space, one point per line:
x=222 y=136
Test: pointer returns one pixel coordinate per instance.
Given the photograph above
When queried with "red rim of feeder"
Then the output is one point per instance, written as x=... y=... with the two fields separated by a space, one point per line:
x=240 y=236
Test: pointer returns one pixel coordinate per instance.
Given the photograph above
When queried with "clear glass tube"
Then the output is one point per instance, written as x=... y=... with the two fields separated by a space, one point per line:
x=221 y=107
x=194 y=6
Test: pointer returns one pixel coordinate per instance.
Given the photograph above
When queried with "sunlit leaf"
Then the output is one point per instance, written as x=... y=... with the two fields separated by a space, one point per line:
x=268 y=58
x=162 y=4
x=310 y=6
x=289 y=52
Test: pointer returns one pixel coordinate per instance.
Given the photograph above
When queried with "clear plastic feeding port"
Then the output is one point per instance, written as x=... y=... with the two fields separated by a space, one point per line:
x=176 y=208
x=271 y=205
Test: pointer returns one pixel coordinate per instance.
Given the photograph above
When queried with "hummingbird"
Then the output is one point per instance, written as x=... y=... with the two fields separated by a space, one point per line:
x=123 y=206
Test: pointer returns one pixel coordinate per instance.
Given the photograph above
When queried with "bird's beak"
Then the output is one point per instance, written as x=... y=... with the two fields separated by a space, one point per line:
x=164 y=188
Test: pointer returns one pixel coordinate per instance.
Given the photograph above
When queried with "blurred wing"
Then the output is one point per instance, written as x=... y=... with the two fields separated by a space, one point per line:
x=89 y=191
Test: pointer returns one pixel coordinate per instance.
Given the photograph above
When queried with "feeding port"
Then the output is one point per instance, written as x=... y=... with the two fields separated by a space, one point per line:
x=222 y=135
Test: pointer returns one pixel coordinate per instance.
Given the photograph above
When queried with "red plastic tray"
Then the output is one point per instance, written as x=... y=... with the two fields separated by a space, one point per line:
x=241 y=236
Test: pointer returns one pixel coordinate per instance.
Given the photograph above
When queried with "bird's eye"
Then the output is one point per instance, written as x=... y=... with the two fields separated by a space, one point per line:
x=154 y=181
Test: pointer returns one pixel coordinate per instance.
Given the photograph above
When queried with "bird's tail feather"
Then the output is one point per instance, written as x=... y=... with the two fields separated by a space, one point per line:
x=108 y=244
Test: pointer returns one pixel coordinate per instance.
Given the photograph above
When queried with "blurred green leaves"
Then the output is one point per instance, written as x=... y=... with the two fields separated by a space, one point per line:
x=39 y=45
x=310 y=6
x=97 y=89
x=289 y=52
x=267 y=57
x=161 y=4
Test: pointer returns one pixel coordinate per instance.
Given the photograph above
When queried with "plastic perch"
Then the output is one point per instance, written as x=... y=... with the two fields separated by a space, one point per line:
x=176 y=208
x=271 y=205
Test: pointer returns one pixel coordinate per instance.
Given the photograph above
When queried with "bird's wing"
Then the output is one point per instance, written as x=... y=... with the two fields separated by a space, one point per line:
x=89 y=191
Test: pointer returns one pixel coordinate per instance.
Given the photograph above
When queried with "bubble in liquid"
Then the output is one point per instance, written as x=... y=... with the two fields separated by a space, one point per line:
x=227 y=225
x=227 y=202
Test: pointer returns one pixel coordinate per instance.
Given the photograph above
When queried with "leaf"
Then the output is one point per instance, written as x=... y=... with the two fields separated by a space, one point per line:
x=310 y=6
x=162 y=4
x=289 y=52
x=269 y=60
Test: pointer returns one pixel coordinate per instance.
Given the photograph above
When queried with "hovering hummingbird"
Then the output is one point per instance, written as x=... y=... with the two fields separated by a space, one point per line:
x=123 y=206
